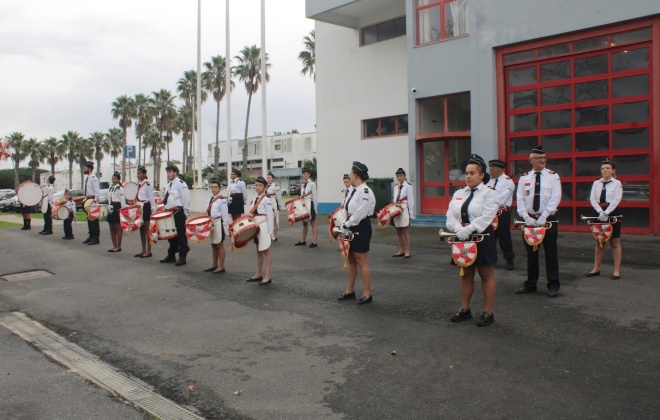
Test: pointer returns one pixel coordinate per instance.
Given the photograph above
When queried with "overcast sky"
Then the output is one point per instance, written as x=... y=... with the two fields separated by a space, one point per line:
x=63 y=62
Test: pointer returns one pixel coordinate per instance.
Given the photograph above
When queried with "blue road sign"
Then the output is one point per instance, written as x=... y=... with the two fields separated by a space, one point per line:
x=129 y=152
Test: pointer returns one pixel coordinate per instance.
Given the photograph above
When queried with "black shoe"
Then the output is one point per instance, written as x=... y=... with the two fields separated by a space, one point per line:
x=509 y=264
x=86 y=241
x=169 y=259
x=65 y=237
x=461 y=315
x=313 y=245
x=525 y=289
x=615 y=277
x=346 y=296
x=47 y=233
x=597 y=273
x=149 y=255
x=137 y=255
x=265 y=283
x=208 y=270
x=251 y=280
x=400 y=255
x=300 y=243
x=94 y=241
x=485 y=319
x=182 y=261
x=553 y=293
x=42 y=232
x=363 y=300
x=219 y=271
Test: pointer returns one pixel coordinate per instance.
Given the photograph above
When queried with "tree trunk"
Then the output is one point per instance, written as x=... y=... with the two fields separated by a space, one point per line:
x=139 y=155
x=70 y=173
x=16 y=167
x=82 y=176
x=216 y=152
x=34 y=174
x=247 y=123
x=184 y=138
x=98 y=168
x=52 y=165
x=168 y=153
x=123 y=158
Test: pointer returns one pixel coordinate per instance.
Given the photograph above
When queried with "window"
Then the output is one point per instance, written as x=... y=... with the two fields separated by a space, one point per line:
x=438 y=20
x=384 y=31
x=277 y=146
x=445 y=114
x=386 y=126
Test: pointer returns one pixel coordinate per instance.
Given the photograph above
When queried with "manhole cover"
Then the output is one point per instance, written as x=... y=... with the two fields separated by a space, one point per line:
x=27 y=275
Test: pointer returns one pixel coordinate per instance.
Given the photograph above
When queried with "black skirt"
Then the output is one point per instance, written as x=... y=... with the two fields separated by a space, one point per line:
x=114 y=216
x=237 y=205
x=362 y=238
x=487 y=249
x=146 y=212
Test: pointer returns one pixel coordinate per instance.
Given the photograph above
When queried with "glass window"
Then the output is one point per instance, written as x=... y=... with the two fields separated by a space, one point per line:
x=523 y=145
x=459 y=153
x=634 y=138
x=590 y=66
x=555 y=71
x=523 y=99
x=554 y=50
x=371 y=128
x=387 y=126
x=458 y=112
x=591 y=91
x=402 y=124
x=434 y=162
x=520 y=167
x=635 y=217
x=370 y=35
x=590 y=44
x=523 y=76
x=630 y=86
x=632 y=36
x=565 y=215
x=583 y=191
x=429 y=24
x=630 y=60
x=455 y=18
x=592 y=115
x=400 y=26
x=386 y=30
x=434 y=191
x=523 y=122
x=433 y=115
x=636 y=191
x=566 y=191
x=519 y=57
x=556 y=95
x=559 y=143
x=556 y=119
x=630 y=112
x=632 y=165
x=588 y=166
x=592 y=140
x=564 y=167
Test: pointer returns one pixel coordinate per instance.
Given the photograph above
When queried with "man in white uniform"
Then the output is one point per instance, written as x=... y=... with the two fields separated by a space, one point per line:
x=177 y=200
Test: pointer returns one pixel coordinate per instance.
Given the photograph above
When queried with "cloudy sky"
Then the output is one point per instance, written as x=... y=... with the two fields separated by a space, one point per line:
x=63 y=62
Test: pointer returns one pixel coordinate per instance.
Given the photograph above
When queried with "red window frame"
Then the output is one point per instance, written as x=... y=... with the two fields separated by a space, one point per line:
x=443 y=36
x=380 y=125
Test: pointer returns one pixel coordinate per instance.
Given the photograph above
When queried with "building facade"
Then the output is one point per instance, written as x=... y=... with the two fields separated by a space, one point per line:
x=432 y=81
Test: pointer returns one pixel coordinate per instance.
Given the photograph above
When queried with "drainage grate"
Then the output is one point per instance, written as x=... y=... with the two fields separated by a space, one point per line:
x=88 y=366
x=27 y=275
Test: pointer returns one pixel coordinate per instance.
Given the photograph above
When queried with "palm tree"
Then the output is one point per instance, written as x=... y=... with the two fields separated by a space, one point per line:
x=213 y=80
x=123 y=108
x=71 y=143
x=32 y=150
x=308 y=55
x=53 y=152
x=100 y=144
x=84 y=150
x=155 y=139
x=162 y=107
x=187 y=88
x=144 y=118
x=183 y=126
x=16 y=141
x=249 y=72
x=116 y=140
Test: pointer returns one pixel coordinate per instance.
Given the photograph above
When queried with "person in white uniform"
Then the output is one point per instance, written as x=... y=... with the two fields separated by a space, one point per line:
x=505 y=188
x=48 y=218
x=116 y=201
x=471 y=211
x=218 y=210
x=146 y=196
x=92 y=190
x=606 y=194
x=177 y=200
x=308 y=194
x=238 y=194
x=273 y=192
x=346 y=191
x=262 y=211
x=403 y=193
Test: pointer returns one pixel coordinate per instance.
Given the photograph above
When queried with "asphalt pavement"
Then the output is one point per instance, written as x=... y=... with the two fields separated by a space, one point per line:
x=230 y=349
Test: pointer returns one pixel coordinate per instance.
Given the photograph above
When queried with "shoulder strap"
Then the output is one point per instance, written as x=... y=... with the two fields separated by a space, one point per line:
x=256 y=205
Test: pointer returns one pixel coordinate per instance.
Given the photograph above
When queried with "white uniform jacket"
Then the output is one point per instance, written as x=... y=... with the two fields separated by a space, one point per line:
x=613 y=194
x=405 y=192
x=505 y=188
x=117 y=194
x=359 y=205
x=92 y=188
x=550 y=193
x=50 y=191
x=481 y=210
x=265 y=208
x=146 y=194
x=237 y=186
x=345 y=193
x=308 y=191
x=219 y=208
x=177 y=195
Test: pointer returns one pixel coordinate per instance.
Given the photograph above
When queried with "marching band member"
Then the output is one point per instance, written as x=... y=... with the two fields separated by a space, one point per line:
x=403 y=192
x=505 y=188
x=48 y=218
x=471 y=211
x=177 y=200
x=218 y=210
x=346 y=191
x=92 y=190
x=538 y=196
x=308 y=194
x=273 y=193
x=359 y=206
x=145 y=195
x=262 y=211
x=117 y=201
x=606 y=194
x=71 y=206
x=238 y=194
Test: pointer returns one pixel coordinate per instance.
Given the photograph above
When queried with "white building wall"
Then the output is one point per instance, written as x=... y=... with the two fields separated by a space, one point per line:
x=355 y=83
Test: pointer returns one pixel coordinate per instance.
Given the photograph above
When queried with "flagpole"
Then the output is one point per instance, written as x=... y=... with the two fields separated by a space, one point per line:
x=199 y=94
x=228 y=91
x=264 y=160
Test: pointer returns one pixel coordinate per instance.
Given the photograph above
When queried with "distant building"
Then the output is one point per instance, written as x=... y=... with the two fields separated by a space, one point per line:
x=62 y=176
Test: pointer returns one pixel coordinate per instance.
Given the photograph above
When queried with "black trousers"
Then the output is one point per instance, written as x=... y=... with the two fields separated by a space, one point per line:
x=551 y=260
x=48 y=221
x=94 y=228
x=68 y=232
x=237 y=206
x=180 y=242
x=503 y=235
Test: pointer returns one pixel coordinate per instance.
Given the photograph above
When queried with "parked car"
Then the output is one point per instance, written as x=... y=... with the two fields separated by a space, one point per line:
x=7 y=195
x=103 y=196
x=77 y=195
x=294 y=189
x=8 y=203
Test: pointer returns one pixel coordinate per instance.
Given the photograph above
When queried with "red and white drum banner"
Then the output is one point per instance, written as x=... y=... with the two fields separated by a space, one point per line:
x=130 y=218
x=344 y=248
x=464 y=254
x=153 y=231
x=495 y=222
x=533 y=236
x=5 y=149
x=199 y=228
x=602 y=232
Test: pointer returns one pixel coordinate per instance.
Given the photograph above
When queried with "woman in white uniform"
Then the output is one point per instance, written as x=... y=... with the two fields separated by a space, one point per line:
x=273 y=192
x=145 y=195
x=218 y=210
x=116 y=201
x=471 y=211
x=403 y=193
x=262 y=211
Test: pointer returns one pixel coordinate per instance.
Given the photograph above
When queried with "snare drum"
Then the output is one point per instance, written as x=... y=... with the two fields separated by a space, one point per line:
x=29 y=193
x=403 y=219
x=59 y=212
x=389 y=211
x=165 y=223
x=296 y=210
x=243 y=230
x=130 y=218
x=131 y=190
x=199 y=228
x=336 y=218
x=96 y=211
